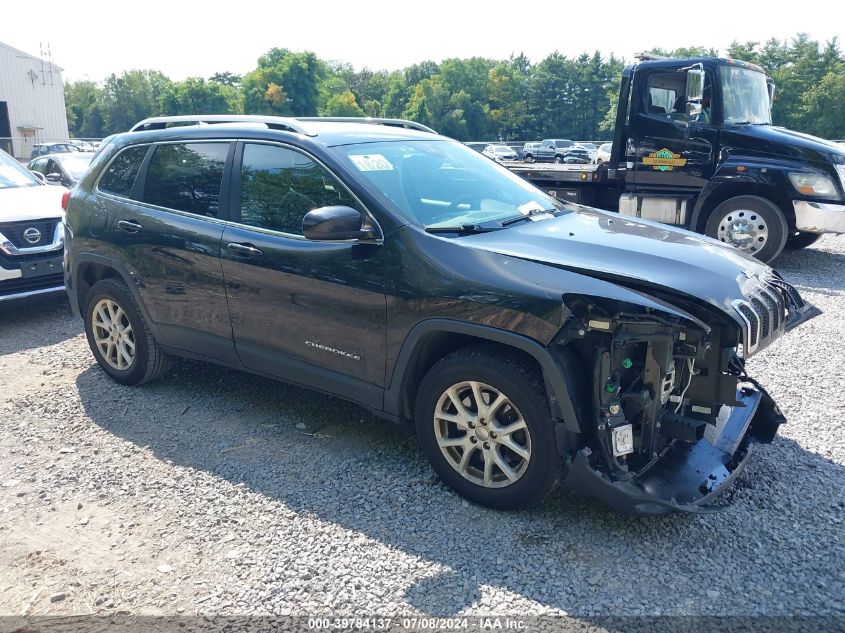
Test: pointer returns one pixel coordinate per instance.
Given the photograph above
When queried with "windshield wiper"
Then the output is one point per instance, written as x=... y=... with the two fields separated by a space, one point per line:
x=463 y=228
x=530 y=214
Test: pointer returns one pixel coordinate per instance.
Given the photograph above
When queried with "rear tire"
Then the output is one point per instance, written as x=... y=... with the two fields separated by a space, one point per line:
x=801 y=240
x=119 y=335
x=507 y=460
x=752 y=224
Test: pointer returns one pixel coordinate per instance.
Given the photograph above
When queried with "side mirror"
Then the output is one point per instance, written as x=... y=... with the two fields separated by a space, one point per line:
x=39 y=176
x=693 y=110
x=335 y=223
x=54 y=178
x=695 y=83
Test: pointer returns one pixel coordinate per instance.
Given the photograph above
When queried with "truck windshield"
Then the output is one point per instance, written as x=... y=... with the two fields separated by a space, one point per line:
x=442 y=184
x=746 y=96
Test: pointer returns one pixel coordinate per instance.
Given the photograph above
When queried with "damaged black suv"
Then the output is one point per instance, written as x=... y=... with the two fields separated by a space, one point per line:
x=530 y=340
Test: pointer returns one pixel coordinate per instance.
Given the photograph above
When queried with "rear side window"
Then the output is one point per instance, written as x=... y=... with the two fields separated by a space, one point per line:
x=120 y=175
x=186 y=177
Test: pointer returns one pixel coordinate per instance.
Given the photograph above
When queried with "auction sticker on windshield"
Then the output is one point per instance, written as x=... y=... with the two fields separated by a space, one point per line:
x=371 y=162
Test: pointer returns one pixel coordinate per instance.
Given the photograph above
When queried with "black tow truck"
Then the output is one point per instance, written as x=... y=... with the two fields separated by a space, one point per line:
x=694 y=147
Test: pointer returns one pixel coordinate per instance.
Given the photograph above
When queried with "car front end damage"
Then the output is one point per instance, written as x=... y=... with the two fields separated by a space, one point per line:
x=673 y=416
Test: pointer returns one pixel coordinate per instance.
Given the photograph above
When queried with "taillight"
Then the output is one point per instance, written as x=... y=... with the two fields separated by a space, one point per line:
x=65 y=198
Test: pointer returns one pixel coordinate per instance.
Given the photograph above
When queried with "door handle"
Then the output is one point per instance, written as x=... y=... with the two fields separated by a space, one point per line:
x=130 y=226
x=245 y=250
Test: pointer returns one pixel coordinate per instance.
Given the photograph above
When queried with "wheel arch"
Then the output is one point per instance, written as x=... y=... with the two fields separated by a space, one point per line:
x=91 y=268
x=717 y=192
x=431 y=340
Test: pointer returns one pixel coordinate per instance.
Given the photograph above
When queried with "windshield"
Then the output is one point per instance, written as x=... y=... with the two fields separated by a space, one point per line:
x=13 y=174
x=441 y=184
x=563 y=143
x=76 y=164
x=503 y=150
x=745 y=96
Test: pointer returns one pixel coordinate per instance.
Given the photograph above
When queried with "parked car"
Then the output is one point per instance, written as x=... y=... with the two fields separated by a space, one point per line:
x=82 y=146
x=577 y=155
x=552 y=150
x=500 y=152
x=603 y=154
x=31 y=236
x=529 y=340
x=590 y=147
x=62 y=169
x=41 y=149
x=528 y=151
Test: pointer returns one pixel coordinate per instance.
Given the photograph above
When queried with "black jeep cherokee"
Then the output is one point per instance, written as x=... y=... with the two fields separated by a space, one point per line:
x=531 y=340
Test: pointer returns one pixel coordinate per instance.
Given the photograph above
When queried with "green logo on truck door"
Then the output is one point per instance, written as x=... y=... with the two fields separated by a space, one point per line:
x=664 y=160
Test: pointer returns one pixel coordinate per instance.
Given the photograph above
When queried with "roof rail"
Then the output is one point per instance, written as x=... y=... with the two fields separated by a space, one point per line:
x=404 y=123
x=272 y=122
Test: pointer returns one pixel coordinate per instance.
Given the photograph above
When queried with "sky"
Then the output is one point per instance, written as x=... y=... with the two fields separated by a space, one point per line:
x=92 y=39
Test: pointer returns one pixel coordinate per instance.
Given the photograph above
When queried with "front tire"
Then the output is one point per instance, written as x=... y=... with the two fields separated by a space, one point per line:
x=482 y=418
x=754 y=225
x=801 y=240
x=119 y=336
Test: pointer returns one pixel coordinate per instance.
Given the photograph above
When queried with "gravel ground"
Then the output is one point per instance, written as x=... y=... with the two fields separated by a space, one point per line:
x=216 y=492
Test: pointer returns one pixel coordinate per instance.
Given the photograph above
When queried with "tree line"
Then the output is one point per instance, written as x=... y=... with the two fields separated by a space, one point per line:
x=475 y=98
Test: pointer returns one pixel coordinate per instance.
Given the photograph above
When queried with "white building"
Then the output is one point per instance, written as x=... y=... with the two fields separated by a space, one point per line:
x=32 y=102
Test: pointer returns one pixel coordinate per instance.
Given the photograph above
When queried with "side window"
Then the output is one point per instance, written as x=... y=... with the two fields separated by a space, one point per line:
x=666 y=95
x=119 y=176
x=186 y=177
x=39 y=165
x=279 y=186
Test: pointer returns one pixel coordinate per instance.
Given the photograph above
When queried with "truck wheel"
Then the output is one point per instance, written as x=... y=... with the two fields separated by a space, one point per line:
x=754 y=225
x=558 y=159
x=801 y=240
x=529 y=158
x=482 y=418
x=119 y=335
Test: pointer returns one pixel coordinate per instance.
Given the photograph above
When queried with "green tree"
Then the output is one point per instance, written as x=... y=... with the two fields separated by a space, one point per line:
x=296 y=74
x=343 y=104
x=82 y=102
x=823 y=106
x=196 y=96
x=130 y=97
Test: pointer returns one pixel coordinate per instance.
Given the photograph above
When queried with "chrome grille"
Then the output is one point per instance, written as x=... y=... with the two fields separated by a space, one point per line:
x=752 y=322
x=765 y=310
x=765 y=317
x=14 y=232
x=794 y=298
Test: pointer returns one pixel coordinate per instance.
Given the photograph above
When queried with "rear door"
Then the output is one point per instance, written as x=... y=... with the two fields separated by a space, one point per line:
x=167 y=235
x=307 y=311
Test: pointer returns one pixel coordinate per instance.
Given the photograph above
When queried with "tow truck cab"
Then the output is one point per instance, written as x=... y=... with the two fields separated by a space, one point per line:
x=693 y=146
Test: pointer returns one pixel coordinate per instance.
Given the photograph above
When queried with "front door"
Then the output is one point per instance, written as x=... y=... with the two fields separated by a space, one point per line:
x=307 y=311
x=673 y=151
x=169 y=234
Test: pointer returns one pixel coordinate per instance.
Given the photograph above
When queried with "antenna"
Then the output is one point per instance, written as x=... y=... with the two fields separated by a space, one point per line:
x=41 y=57
x=50 y=63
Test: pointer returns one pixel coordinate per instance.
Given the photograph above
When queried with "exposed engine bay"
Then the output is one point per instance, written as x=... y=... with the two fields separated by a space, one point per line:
x=673 y=414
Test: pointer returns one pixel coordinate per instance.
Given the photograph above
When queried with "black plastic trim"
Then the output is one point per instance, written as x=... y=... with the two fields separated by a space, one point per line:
x=559 y=397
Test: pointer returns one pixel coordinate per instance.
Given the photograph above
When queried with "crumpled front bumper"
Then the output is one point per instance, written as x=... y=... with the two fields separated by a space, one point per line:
x=687 y=476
